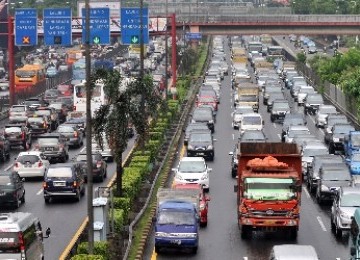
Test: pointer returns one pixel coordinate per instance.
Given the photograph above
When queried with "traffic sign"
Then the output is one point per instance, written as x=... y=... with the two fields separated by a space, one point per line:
x=25 y=27
x=57 y=26
x=133 y=21
x=193 y=36
x=99 y=26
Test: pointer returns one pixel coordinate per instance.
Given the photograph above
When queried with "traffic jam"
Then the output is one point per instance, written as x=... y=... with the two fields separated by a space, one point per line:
x=269 y=176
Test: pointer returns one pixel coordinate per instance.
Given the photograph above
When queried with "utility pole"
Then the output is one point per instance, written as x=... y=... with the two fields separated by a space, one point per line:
x=88 y=132
x=166 y=48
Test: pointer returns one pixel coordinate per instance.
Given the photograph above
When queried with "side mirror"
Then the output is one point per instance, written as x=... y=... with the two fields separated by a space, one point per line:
x=231 y=153
x=209 y=169
x=47 y=232
x=236 y=188
x=23 y=180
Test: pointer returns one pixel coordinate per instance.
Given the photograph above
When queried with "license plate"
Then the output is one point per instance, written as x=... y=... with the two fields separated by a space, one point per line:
x=200 y=153
x=49 y=148
x=176 y=241
x=59 y=184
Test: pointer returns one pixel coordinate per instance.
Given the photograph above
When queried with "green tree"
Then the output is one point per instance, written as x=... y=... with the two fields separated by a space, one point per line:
x=127 y=102
x=350 y=82
x=301 y=57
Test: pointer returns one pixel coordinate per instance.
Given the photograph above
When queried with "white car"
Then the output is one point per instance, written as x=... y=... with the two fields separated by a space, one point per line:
x=31 y=164
x=251 y=121
x=192 y=170
x=322 y=113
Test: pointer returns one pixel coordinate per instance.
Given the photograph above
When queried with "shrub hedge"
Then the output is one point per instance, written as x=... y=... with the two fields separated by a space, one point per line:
x=101 y=248
x=87 y=257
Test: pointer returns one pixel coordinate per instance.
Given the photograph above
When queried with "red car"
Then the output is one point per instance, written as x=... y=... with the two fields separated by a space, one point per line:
x=207 y=100
x=203 y=199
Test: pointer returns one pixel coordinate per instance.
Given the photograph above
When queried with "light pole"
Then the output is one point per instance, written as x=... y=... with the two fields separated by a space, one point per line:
x=11 y=66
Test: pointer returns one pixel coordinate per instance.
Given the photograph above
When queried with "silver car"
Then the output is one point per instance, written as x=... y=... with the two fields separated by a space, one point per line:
x=323 y=112
x=344 y=205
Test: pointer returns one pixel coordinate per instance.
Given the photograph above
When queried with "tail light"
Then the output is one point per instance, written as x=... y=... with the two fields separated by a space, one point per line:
x=45 y=125
x=98 y=164
x=22 y=135
x=75 y=134
x=16 y=164
x=40 y=164
x=74 y=108
x=75 y=184
x=61 y=146
x=45 y=186
x=21 y=243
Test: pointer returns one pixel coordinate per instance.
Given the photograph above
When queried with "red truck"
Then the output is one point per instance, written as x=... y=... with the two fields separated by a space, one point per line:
x=268 y=188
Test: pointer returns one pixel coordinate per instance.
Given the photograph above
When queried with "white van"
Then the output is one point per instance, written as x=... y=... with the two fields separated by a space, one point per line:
x=21 y=236
x=251 y=121
x=293 y=252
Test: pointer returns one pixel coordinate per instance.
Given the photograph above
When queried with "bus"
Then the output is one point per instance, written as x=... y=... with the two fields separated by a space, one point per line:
x=29 y=76
x=74 y=55
x=275 y=52
x=254 y=46
x=98 y=97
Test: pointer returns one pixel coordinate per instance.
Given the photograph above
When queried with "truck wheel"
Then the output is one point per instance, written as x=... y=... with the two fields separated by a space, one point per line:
x=157 y=249
x=293 y=233
x=245 y=232
x=47 y=200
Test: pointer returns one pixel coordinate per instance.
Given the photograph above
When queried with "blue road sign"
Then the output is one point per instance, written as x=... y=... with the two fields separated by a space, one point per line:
x=131 y=24
x=193 y=36
x=25 y=27
x=57 y=26
x=99 y=26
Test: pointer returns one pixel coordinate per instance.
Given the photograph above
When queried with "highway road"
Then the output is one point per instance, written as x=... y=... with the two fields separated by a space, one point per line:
x=221 y=238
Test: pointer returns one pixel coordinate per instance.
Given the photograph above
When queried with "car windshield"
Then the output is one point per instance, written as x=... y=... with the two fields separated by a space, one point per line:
x=335 y=175
x=17 y=109
x=206 y=99
x=293 y=121
x=343 y=129
x=13 y=129
x=28 y=159
x=200 y=137
x=43 y=112
x=48 y=141
x=244 y=110
x=202 y=113
x=35 y=120
x=167 y=217
x=298 y=132
x=193 y=127
x=350 y=200
x=251 y=120
x=82 y=157
x=59 y=172
x=6 y=182
x=249 y=135
x=315 y=98
x=192 y=166
x=269 y=189
x=65 y=129
x=313 y=151
x=249 y=98
x=281 y=106
x=327 y=110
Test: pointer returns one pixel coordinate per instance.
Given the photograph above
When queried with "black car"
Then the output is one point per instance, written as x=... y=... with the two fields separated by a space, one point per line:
x=75 y=137
x=18 y=135
x=272 y=97
x=63 y=180
x=330 y=122
x=79 y=122
x=54 y=146
x=279 y=109
x=99 y=166
x=38 y=125
x=338 y=133
x=331 y=177
x=201 y=143
x=12 y=190
x=312 y=103
x=193 y=127
x=292 y=119
x=234 y=160
x=204 y=115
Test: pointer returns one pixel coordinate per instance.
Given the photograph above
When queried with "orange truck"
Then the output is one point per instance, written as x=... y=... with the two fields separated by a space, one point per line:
x=268 y=188
x=29 y=76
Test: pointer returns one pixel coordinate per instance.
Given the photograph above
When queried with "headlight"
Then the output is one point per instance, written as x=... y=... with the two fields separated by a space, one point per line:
x=324 y=188
x=336 y=140
x=161 y=234
x=210 y=147
x=204 y=177
x=344 y=215
x=211 y=121
x=190 y=147
x=193 y=121
x=328 y=130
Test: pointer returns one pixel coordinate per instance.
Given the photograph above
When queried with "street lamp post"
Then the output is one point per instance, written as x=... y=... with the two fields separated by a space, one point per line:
x=11 y=64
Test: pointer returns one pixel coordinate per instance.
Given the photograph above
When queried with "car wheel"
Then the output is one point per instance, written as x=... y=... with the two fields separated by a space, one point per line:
x=194 y=250
x=245 y=232
x=64 y=159
x=78 y=196
x=233 y=173
x=333 y=227
x=83 y=191
x=23 y=198
x=338 y=232
x=157 y=249
x=8 y=155
x=331 y=149
x=105 y=173
x=272 y=118
x=47 y=200
x=293 y=232
x=101 y=178
x=318 y=198
x=17 y=203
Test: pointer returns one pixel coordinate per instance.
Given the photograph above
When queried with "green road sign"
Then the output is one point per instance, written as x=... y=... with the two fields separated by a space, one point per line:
x=134 y=39
x=96 y=40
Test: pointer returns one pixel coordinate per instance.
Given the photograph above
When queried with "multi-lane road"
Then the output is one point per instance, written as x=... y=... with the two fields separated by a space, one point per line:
x=221 y=238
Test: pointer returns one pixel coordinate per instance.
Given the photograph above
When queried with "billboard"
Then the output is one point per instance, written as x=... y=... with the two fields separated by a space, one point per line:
x=113 y=6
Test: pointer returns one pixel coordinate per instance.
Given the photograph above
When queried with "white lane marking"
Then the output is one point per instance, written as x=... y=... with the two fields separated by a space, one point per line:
x=306 y=192
x=321 y=223
x=274 y=125
x=279 y=135
x=7 y=168
x=312 y=119
x=245 y=258
x=39 y=192
x=233 y=136
x=83 y=149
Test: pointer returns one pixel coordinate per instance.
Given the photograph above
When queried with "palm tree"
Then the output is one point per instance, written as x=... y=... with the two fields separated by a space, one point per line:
x=129 y=101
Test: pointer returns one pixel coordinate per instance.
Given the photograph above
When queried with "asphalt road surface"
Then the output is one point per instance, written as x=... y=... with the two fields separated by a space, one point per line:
x=221 y=238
